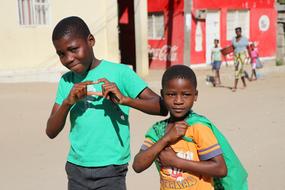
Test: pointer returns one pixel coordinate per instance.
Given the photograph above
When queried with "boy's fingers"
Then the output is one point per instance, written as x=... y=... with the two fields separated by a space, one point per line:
x=104 y=80
x=168 y=148
x=94 y=94
x=182 y=124
x=87 y=83
x=109 y=87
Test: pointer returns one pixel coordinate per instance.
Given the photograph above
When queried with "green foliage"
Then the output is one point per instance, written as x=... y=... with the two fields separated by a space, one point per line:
x=279 y=62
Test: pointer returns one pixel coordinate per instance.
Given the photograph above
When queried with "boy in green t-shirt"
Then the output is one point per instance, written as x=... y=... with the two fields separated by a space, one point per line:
x=98 y=95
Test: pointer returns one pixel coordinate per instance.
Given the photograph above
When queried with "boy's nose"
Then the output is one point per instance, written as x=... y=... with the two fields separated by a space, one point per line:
x=69 y=59
x=178 y=100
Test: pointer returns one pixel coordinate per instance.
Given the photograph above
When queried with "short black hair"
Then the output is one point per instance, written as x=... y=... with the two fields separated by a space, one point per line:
x=179 y=71
x=70 y=25
x=238 y=28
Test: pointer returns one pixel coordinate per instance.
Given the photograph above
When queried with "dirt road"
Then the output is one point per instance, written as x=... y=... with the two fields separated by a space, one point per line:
x=252 y=119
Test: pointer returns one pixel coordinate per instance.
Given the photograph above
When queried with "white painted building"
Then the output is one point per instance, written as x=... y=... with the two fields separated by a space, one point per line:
x=27 y=25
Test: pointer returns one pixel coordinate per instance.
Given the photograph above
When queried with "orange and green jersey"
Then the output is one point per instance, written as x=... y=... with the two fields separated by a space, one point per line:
x=198 y=144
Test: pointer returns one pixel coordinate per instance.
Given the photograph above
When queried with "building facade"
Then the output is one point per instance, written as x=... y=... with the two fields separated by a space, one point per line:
x=27 y=25
x=209 y=20
x=280 y=55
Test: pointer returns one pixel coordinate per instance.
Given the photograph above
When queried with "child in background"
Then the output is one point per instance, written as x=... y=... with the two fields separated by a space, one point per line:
x=99 y=133
x=187 y=155
x=253 y=61
x=216 y=60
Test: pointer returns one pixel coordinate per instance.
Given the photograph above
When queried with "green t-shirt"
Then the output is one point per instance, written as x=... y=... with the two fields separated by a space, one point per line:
x=99 y=133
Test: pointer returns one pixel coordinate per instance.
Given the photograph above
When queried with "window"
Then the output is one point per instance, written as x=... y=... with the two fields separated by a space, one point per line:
x=237 y=18
x=33 y=12
x=155 y=25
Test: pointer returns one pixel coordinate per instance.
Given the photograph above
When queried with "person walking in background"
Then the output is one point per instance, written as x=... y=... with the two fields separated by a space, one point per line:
x=99 y=111
x=241 y=52
x=253 y=61
x=216 y=60
x=186 y=153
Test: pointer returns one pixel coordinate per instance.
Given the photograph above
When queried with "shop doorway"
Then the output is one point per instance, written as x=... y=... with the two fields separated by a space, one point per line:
x=126 y=24
x=212 y=32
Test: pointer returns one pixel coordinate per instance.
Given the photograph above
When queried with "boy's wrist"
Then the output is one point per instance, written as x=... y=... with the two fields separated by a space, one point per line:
x=177 y=162
x=166 y=140
x=126 y=100
x=66 y=103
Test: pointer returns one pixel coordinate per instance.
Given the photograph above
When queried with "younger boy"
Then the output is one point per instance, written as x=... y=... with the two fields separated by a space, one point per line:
x=187 y=155
x=99 y=133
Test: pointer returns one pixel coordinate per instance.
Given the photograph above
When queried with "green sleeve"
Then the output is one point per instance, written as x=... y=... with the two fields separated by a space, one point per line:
x=60 y=95
x=64 y=86
x=154 y=137
x=132 y=83
x=151 y=134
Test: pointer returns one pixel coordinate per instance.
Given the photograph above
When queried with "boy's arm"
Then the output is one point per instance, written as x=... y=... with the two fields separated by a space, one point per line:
x=149 y=153
x=145 y=158
x=147 y=101
x=213 y=167
x=57 y=119
x=211 y=162
x=59 y=113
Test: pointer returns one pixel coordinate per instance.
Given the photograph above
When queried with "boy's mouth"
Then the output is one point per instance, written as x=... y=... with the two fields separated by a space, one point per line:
x=73 y=66
x=178 y=110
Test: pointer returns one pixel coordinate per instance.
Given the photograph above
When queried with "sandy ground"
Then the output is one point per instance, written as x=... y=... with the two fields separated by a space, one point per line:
x=252 y=119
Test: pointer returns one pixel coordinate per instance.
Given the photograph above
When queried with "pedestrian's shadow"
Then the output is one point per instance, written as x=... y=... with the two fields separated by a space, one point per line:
x=111 y=110
x=223 y=86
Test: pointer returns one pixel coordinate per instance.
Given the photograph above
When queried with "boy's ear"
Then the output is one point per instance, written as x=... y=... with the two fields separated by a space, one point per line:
x=91 y=40
x=196 y=95
x=161 y=93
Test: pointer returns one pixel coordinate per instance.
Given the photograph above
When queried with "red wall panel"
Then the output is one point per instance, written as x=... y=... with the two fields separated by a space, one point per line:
x=261 y=13
x=263 y=30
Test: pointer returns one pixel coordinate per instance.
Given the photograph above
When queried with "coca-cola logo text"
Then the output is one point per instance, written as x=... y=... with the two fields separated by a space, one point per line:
x=164 y=53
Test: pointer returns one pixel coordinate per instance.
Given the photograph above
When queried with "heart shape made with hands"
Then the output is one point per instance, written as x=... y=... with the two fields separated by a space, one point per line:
x=96 y=89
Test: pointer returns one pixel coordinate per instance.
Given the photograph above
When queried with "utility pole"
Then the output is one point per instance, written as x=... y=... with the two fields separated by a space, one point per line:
x=187 y=32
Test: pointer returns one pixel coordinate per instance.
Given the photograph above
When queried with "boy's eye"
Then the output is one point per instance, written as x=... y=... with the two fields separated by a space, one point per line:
x=170 y=94
x=73 y=50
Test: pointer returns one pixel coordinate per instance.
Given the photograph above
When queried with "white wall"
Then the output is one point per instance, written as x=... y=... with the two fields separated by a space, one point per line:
x=24 y=47
x=141 y=37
